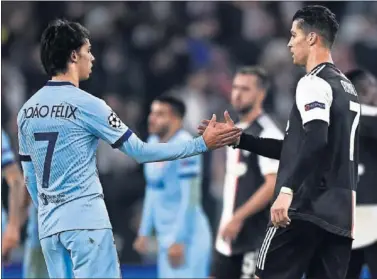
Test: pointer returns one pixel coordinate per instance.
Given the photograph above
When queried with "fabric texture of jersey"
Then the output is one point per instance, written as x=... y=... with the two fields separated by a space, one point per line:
x=244 y=175
x=327 y=196
x=172 y=204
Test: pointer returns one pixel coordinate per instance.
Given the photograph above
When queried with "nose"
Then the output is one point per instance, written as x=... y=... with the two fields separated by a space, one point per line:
x=289 y=45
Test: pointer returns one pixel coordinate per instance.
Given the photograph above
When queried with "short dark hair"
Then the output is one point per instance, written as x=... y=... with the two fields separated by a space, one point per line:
x=59 y=39
x=319 y=19
x=259 y=72
x=360 y=79
x=177 y=105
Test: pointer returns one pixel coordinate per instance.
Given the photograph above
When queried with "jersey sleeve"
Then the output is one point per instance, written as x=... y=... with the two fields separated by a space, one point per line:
x=269 y=165
x=314 y=98
x=7 y=155
x=100 y=120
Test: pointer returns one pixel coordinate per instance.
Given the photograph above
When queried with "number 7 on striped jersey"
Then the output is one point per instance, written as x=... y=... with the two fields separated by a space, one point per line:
x=356 y=108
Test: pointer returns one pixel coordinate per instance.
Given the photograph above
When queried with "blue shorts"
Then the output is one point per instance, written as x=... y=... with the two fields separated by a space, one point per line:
x=91 y=254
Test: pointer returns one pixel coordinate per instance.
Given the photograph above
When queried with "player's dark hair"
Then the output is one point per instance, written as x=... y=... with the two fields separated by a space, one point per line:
x=59 y=39
x=177 y=105
x=361 y=79
x=318 y=19
x=259 y=72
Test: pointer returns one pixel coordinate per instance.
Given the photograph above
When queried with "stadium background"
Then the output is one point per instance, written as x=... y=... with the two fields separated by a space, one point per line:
x=187 y=49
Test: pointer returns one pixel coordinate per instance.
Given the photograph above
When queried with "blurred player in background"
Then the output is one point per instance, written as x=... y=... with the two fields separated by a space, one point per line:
x=365 y=243
x=17 y=199
x=34 y=263
x=311 y=228
x=249 y=182
x=172 y=203
x=58 y=130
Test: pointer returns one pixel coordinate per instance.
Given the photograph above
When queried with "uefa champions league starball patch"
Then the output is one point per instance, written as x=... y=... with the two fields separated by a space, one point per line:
x=114 y=120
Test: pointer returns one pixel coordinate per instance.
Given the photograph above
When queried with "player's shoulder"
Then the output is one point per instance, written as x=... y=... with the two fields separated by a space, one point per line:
x=33 y=100
x=314 y=81
x=182 y=135
x=152 y=139
x=269 y=127
x=84 y=99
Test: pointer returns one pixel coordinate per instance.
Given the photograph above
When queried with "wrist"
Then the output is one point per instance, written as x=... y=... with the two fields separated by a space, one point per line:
x=239 y=217
x=286 y=190
x=236 y=143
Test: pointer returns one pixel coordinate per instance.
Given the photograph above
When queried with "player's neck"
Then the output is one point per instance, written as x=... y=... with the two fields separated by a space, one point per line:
x=170 y=134
x=319 y=56
x=252 y=115
x=67 y=77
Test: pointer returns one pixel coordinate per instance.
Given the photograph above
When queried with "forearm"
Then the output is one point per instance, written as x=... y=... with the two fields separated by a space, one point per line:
x=261 y=198
x=308 y=154
x=153 y=152
x=267 y=147
x=17 y=196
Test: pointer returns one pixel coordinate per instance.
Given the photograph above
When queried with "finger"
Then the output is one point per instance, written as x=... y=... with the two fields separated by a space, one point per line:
x=280 y=218
x=213 y=121
x=228 y=119
x=273 y=218
x=205 y=122
x=229 y=139
x=229 y=131
x=286 y=218
x=201 y=130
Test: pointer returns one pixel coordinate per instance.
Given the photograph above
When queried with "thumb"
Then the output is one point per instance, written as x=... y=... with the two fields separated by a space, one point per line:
x=213 y=120
x=228 y=120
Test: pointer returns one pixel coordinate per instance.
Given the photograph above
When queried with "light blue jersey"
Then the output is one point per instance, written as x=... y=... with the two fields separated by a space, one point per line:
x=173 y=208
x=59 y=129
x=7 y=158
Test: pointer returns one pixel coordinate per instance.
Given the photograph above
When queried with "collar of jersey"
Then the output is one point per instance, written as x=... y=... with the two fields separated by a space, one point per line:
x=58 y=83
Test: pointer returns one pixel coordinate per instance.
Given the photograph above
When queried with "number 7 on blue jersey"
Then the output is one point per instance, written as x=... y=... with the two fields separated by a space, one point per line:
x=51 y=137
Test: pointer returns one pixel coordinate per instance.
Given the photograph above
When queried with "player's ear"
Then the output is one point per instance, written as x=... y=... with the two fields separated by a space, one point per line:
x=74 y=56
x=312 y=38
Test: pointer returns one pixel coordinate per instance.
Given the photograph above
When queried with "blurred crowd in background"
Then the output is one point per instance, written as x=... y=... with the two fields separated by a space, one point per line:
x=186 y=49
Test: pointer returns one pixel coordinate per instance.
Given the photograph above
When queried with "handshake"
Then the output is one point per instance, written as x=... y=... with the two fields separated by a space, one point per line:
x=218 y=134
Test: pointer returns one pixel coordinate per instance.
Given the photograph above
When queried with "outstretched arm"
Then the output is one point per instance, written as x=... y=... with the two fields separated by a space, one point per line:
x=267 y=147
x=100 y=120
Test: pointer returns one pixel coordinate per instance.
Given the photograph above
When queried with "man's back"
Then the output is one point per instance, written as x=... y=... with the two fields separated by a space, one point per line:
x=327 y=195
x=57 y=133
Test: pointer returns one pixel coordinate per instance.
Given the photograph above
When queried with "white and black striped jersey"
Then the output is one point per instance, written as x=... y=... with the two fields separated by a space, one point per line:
x=327 y=195
x=245 y=173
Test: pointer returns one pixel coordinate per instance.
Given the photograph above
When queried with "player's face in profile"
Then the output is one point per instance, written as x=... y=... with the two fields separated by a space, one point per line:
x=85 y=61
x=245 y=93
x=298 y=44
x=159 y=118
